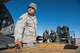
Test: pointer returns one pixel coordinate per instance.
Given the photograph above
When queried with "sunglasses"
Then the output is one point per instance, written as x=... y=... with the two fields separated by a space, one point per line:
x=31 y=7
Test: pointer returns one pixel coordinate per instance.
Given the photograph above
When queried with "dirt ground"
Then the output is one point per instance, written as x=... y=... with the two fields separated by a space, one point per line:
x=44 y=48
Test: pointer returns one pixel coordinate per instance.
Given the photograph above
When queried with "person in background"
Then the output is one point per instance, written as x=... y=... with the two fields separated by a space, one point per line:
x=46 y=36
x=53 y=36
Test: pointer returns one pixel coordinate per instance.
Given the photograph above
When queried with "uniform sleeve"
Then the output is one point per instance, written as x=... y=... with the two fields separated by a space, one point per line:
x=19 y=28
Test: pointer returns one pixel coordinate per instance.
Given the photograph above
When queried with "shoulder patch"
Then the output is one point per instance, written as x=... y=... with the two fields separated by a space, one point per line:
x=20 y=18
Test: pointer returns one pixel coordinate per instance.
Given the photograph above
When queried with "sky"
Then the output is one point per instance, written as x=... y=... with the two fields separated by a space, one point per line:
x=50 y=13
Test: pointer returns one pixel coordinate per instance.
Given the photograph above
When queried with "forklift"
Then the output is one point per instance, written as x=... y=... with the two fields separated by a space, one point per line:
x=65 y=37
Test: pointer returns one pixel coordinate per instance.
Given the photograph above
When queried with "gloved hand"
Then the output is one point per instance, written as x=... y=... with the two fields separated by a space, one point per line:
x=18 y=46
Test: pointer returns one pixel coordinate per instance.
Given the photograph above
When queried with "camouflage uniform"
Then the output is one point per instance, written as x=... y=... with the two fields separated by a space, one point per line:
x=25 y=29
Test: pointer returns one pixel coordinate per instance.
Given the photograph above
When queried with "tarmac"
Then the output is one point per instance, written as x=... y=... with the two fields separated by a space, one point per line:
x=44 y=48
